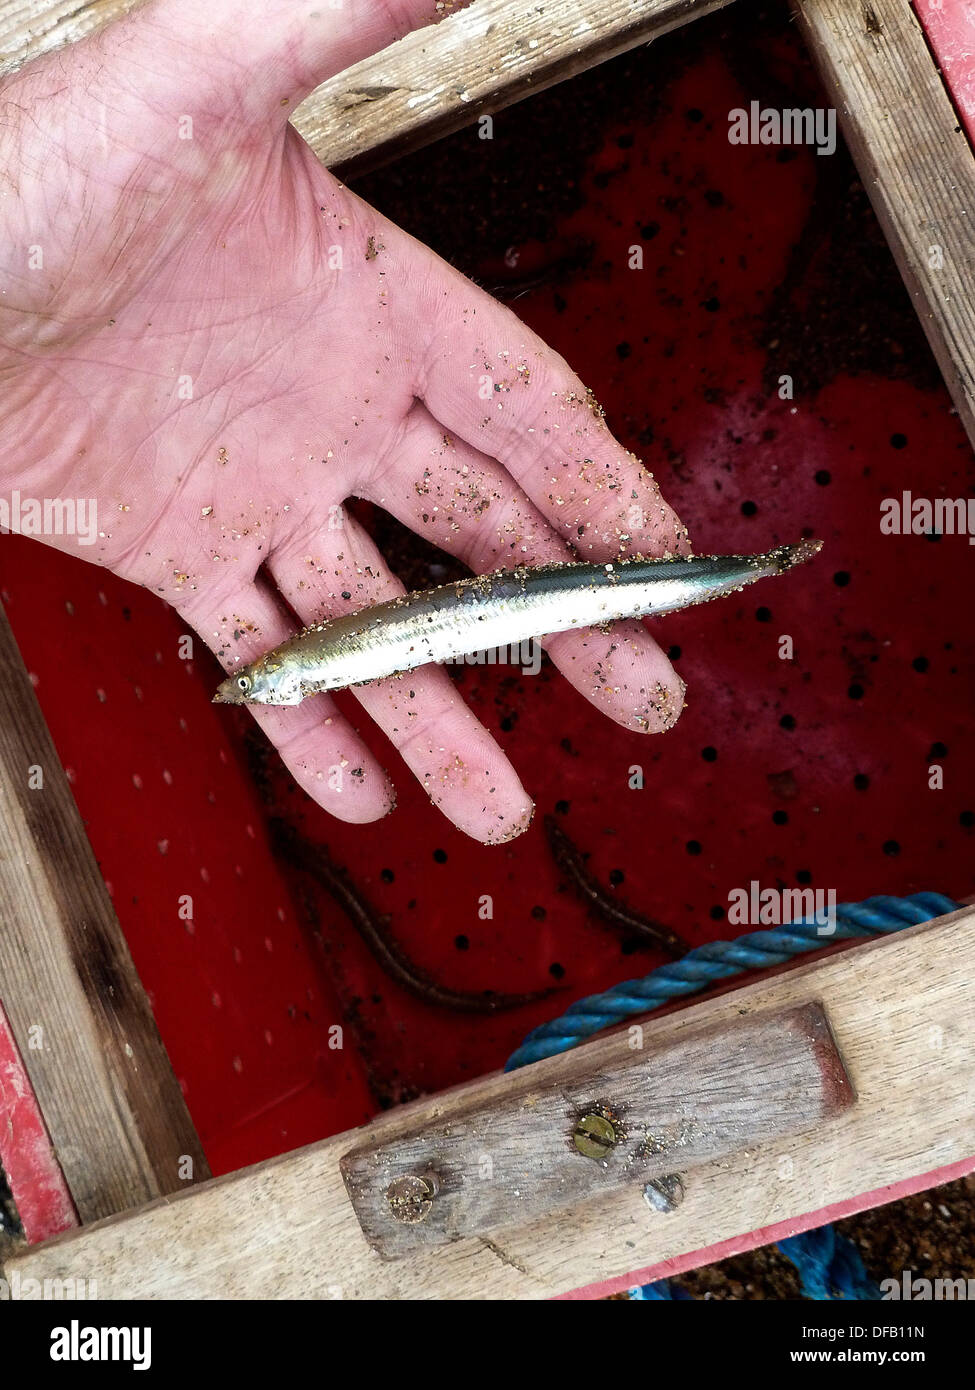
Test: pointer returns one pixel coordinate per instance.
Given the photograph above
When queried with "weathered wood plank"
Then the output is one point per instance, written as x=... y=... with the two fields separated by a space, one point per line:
x=903 y=1014
x=476 y=62
x=672 y=1106
x=434 y=81
x=915 y=162
x=81 y=1019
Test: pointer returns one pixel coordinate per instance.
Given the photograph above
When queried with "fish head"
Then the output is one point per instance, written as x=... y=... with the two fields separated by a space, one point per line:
x=261 y=683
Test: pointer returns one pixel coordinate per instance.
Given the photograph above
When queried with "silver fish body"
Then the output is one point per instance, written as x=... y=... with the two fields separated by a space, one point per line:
x=489 y=611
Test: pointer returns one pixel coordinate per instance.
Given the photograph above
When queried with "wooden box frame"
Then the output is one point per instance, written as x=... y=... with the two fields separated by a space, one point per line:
x=112 y=1109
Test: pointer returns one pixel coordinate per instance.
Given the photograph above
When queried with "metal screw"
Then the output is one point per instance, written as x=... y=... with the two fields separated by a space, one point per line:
x=410 y=1198
x=664 y=1194
x=594 y=1136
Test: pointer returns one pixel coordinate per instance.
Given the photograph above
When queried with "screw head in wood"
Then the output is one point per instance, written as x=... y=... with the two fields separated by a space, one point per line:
x=410 y=1198
x=594 y=1136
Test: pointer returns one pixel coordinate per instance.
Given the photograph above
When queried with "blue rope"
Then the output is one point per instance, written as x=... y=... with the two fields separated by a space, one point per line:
x=828 y=1264
x=829 y=1267
x=705 y=965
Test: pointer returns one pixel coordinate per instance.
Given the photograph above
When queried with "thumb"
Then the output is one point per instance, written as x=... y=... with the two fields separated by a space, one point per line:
x=247 y=60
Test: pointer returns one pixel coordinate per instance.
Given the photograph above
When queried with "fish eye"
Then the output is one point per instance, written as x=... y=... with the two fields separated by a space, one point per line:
x=244 y=683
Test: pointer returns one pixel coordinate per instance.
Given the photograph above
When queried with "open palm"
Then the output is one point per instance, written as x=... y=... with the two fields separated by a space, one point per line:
x=206 y=332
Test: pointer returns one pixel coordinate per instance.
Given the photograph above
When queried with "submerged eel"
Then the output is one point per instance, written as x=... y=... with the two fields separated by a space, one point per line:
x=314 y=861
x=490 y=610
x=619 y=914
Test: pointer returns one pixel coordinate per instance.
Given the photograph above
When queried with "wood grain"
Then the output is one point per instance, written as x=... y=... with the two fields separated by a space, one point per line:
x=434 y=81
x=80 y=1017
x=902 y=1010
x=669 y=1107
x=29 y=28
x=915 y=162
x=485 y=58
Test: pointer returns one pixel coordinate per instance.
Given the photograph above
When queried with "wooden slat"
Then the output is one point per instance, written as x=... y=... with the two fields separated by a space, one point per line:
x=668 y=1106
x=29 y=28
x=485 y=58
x=434 y=81
x=81 y=1019
x=903 y=1014
x=915 y=162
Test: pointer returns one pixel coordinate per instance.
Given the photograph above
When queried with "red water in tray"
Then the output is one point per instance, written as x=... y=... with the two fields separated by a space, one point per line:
x=757 y=263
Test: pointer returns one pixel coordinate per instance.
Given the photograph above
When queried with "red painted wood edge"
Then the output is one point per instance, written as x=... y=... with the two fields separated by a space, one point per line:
x=950 y=29
x=39 y=1190
x=766 y=1235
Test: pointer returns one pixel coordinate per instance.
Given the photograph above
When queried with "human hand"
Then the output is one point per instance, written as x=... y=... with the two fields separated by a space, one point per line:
x=206 y=332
